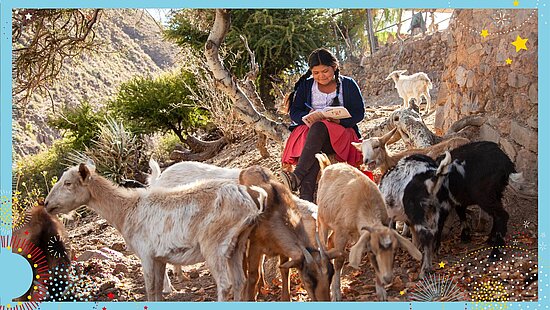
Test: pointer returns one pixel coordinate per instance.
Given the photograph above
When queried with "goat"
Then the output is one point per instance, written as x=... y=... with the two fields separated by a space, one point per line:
x=414 y=193
x=182 y=225
x=281 y=231
x=351 y=205
x=189 y=171
x=478 y=175
x=412 y=87
x=48 y=234
x=375 y=154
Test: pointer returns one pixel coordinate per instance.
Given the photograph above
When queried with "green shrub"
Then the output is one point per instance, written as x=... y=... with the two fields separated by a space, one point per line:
x=34 y=175
x=117 y=152
x=82 y=124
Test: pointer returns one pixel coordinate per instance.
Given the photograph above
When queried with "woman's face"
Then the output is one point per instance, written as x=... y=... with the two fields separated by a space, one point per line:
x=323 y=74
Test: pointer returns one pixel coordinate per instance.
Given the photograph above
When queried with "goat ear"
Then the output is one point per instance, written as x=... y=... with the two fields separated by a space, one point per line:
x=294 y=263
x=408 y=246
x=84 y=172
x=356 y=251
x=357 y=145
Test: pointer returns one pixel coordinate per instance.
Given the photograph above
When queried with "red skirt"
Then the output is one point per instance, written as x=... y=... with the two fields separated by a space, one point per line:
x=340 y=139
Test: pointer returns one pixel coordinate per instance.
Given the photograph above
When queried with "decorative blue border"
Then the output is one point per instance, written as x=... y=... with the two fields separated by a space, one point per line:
x=543 y=91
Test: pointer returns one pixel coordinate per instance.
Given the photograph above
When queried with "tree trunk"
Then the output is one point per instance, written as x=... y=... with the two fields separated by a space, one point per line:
x=370 y=31
x=226 y=82
x=201 y=150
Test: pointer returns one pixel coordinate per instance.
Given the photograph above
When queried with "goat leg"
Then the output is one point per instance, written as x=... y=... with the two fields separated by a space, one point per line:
x=285 y=292
x=159 y=272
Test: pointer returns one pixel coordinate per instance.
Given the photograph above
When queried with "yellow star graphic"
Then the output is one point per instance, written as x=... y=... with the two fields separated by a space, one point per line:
x=508 y=61
x=441 y=265
x=519 y=43
x=516 y=3
x=402 y=293
x=484 y=33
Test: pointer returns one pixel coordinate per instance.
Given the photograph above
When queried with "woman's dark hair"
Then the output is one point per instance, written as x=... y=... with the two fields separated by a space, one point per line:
x=320 y=56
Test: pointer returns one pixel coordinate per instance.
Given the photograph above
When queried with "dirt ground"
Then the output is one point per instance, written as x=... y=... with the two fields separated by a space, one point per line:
x=114 y=274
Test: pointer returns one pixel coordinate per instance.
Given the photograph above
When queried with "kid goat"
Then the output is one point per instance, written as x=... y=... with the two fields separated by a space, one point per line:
x=280 y=231
x=206 y=221
x=351 y=205
x=412 y=194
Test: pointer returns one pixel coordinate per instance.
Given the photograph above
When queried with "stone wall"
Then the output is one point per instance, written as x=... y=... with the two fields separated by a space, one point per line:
x=419 y=53
x=477 y=79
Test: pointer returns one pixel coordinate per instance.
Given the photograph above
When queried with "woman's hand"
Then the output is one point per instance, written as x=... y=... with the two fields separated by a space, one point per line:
x=332 y=120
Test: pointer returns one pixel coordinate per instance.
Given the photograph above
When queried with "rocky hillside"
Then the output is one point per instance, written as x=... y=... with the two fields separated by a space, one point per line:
x=131 y=44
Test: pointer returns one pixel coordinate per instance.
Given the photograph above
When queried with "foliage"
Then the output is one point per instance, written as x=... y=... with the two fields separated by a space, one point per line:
x=217 y=103
x=35 y=175
x=82 y=124
x=42 y=39
x=164 y=145
x=281 y=39
x=149 y=105
x=117 y=152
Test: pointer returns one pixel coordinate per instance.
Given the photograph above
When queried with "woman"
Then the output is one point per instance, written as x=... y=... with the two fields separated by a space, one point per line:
x=331 y=136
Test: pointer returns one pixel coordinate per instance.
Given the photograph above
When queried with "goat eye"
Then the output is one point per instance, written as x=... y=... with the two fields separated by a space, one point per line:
x=67 y=183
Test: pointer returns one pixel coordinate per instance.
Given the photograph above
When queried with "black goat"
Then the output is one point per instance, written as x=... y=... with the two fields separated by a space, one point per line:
x=414 y=193
x=478 y=176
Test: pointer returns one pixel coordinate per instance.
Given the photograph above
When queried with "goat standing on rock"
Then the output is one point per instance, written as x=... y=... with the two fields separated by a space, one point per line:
x=412 y=87
x=205 y=221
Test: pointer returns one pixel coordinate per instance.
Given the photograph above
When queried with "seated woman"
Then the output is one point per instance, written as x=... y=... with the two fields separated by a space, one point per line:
x=330 y=136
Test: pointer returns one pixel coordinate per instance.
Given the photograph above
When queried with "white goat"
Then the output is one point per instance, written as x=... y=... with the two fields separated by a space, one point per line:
x=351 y=205
x=412 y=86
x=190 y=171
x=205 y=221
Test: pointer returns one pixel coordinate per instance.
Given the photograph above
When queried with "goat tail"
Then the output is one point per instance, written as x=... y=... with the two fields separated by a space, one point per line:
x=356 y=251
x=323 y=160
x=155 y=171
x=430 y=85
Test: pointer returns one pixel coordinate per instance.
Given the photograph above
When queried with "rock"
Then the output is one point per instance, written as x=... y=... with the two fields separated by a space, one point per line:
x=120 y=268
x=119 y=246
x=89 y=254
x=488 y=133
x=523 y=136
x=107 y=285
x=112 y=253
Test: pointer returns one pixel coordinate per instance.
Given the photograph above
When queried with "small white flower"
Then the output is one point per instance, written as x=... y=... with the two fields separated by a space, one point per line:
x=28 y=16
x=526 y=224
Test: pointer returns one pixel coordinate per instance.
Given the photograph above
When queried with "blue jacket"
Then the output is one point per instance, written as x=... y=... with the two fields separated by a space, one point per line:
x=353 y=101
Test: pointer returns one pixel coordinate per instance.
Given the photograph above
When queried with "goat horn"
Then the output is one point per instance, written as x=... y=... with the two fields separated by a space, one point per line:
x=307 y=255
x=320 y=245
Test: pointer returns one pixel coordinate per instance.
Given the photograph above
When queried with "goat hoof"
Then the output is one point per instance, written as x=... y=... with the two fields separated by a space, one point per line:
x=495 y=255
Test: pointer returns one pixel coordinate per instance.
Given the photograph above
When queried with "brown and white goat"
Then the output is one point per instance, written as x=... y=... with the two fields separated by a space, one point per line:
x=375 y=154
x=47 y=233
x=205 y=221
x=189 y=171
x=281 y=231
x=352 y=207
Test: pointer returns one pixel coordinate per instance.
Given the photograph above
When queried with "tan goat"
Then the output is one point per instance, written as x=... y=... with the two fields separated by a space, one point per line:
x=205 y=221
x=281 y=231
x=352 y=207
